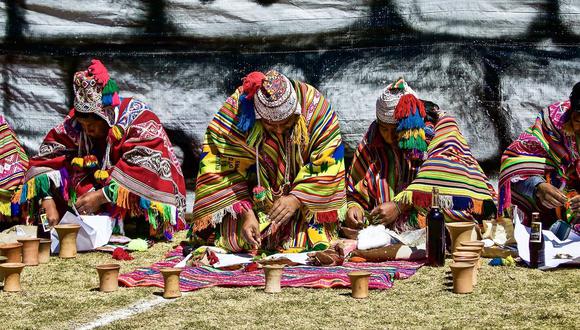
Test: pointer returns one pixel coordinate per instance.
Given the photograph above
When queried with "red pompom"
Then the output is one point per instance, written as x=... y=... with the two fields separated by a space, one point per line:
x=120 y=254
x=252 y=83
x=98 y=70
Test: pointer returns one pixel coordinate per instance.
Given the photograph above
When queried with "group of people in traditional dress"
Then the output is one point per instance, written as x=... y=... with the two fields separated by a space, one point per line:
x=272 y=170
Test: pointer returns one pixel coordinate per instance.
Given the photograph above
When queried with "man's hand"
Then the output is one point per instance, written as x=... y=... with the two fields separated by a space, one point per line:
x=283 y=209
x=251 y=229
x=575 y=203
x=386 y=213
x=354 y=218
x=90 y=202
x=549 y=196
x=52 y=215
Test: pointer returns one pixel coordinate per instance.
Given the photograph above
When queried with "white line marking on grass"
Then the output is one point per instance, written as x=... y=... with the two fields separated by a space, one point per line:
x=125 y=313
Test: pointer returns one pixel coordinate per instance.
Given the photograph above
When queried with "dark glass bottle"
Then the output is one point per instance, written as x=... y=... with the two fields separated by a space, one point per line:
x=435 y=233
x=536 y=241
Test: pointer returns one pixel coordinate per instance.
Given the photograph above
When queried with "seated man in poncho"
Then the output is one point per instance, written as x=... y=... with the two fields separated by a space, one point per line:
x=410 y=149
x=13 y=166
x=272 y=172
x=110 y=155
x=540 y=171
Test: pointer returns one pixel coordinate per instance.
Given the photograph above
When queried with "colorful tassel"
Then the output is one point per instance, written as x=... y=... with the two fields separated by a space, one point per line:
x=107 y=99
x=15 y=209
x=422 y=199
x=118 y=132
x=259 y=193
x=99 y=71
x=462 y=203
x=31 y=193
x=23 y=194
x=252 y=83
x=246 y=113
x=101 y=175
x=111 y=87
x=77 y=162
x=116 y=100
x=42 y=185
x=5 y=209
x=123 y=198
x=90 y=161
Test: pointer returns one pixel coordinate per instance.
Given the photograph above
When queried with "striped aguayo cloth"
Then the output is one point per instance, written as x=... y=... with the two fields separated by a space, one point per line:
x=195 y=278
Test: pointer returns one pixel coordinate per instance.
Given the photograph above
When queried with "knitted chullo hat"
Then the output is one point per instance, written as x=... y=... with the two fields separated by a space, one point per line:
x=276 y=100
x=95 y=92
x=388 y=100
x=270 y=97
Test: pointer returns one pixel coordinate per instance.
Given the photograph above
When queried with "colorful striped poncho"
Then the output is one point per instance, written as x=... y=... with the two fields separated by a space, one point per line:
x=137 y=166
x=379 y=174
x=547 y=149
x=13 y=166
x=228 y=166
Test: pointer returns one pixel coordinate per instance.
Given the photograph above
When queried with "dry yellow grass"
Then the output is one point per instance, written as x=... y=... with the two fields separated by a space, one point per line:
x=61 y=295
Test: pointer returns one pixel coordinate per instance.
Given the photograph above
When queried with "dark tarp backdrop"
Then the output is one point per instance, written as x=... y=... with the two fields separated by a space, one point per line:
x=491 y=63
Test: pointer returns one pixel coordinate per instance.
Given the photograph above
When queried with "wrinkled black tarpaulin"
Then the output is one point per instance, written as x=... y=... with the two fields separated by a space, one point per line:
x=493 y=64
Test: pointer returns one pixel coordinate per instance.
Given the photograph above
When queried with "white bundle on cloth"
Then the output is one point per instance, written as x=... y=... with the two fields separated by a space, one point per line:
x=379 y=236
x=95 y=231
x=374 y=237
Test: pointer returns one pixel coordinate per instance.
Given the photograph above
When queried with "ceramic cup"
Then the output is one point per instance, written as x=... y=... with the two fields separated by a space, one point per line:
x=273 y=275
x=359 y=283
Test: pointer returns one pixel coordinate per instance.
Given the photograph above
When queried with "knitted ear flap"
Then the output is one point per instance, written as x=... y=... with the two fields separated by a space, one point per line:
x=246 y=112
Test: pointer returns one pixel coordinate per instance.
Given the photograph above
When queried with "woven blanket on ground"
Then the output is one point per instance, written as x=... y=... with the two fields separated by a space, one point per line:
x=195 y=278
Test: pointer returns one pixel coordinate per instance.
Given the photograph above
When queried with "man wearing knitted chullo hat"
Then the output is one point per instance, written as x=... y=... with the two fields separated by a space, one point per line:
x=110 y=154
x=411 y=148
x=271 y=172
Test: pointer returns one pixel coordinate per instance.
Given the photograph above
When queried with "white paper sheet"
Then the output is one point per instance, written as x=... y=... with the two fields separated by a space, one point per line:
x=95 y=231
x=226 y=260
x=552 y=245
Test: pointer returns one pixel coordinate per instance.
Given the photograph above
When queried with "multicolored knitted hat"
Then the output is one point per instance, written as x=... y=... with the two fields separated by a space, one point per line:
x=389 y=99
x=95 y=92
x=276 y=100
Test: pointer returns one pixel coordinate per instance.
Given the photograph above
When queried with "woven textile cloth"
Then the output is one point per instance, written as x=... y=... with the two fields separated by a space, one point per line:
x=546 y=149
x=379 y=174
x=195 y=278
x=13 y=166
x=234 y=164
x=144 y=176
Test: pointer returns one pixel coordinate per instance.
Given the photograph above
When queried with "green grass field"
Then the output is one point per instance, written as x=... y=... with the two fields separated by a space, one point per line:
x=62 y=295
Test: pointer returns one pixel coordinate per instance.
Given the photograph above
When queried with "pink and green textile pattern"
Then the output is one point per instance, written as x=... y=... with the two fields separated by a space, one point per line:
x=195 y=278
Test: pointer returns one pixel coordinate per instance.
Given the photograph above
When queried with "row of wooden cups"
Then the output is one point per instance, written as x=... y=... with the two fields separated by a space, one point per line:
x=109 y=279
x=29 y=251
x=465 y=266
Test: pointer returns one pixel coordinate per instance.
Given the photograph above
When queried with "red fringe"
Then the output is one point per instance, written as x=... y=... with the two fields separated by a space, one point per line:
x=421 y=199
x=327 y=217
